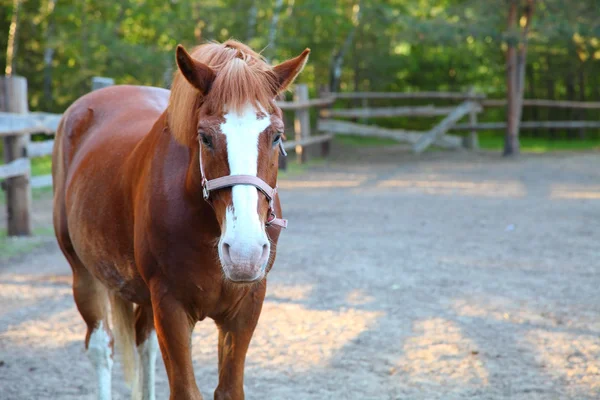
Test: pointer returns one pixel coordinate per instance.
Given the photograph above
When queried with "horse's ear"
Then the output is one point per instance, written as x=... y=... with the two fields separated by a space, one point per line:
x=288 y=70
x=199 y=75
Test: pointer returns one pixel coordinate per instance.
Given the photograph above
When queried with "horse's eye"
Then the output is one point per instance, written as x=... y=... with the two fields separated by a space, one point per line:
x=205 y=139
x=276 y=139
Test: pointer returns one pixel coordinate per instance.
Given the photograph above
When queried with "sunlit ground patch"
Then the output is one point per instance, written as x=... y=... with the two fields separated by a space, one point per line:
x=17 y=291
x=288 y=292
x=503 y=310
x=56 y=330
x=319 y=184
x=291 y=337
x=326 y=181
x=358 y=297
x=440 y=186
x=512 y=311
x=570 y=357
x=440 y=354
x=589 y=192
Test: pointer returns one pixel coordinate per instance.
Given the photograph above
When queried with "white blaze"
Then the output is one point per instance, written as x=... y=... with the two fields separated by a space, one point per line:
x=242 y=131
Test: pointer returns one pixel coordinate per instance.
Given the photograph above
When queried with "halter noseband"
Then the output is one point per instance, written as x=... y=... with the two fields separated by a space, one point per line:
x=232 y=180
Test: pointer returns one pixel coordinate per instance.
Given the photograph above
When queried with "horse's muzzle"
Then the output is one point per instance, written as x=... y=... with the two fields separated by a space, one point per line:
x=244 y=262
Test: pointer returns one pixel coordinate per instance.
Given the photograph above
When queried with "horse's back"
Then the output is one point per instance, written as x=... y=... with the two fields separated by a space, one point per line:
x=117 y=113
x=91 y=162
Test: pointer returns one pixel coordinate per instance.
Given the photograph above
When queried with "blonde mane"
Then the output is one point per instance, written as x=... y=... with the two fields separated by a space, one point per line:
x=242 y=77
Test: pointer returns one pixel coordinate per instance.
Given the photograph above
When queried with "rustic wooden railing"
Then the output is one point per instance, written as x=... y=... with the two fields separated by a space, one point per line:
x=472 y=104
x=17 y=124
x=418 y=139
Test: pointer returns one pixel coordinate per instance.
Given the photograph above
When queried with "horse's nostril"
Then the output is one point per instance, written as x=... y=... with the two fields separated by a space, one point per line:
x=226 y=252
x=265 y=252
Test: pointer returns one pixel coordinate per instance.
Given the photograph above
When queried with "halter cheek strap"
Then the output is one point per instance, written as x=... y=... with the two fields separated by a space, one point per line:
x=232 y=180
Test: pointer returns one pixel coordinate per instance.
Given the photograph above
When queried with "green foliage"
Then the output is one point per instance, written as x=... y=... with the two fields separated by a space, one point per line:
x=539 y=145
x=13 y=247
x=41 y=165
x=360 y=141
x=398 y=45
x=294 y=169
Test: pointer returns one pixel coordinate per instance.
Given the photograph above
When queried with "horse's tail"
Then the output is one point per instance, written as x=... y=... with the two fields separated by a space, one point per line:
x=124 y=332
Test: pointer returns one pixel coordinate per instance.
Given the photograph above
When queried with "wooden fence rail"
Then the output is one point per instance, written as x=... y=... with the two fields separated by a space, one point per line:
x=351 y=128
x=415 y=95
x=16 y=124
x=440 y=129
x=529 y=125
x=481 y=98
x=387 y=112
x=589 y=105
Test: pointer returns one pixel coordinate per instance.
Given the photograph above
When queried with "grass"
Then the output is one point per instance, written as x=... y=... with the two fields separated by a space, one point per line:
x=537 y=145
x=11 y=247
x=36 y=194
x=487 y=142
x=294 y=169
x=41 y=165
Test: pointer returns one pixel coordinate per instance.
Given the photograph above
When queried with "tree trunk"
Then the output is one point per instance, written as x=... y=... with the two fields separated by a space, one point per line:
x=551 y=94
x=533 y=111
x=582 y=113
x=570 y=87
x=515 y=63
x=11 y=46
x=84 y=46
x=522 y=58
x=337 y=61
x=511 y=140
x=48 y=56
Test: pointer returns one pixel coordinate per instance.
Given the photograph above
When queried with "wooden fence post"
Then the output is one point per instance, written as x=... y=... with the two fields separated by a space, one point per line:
x=301 y=122
x=99 y=82
x=13 y=99
x=472 y=140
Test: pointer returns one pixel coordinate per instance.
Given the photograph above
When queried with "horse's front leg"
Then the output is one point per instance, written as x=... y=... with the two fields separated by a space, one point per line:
x=235 y=334
x=174 y=330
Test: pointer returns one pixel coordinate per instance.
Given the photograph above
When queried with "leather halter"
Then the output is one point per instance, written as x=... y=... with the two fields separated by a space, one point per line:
x=232 y=180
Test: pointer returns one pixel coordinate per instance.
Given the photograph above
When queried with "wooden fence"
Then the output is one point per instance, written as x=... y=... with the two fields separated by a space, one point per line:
x=420 y=140
x=471 y=105
x=17 y=124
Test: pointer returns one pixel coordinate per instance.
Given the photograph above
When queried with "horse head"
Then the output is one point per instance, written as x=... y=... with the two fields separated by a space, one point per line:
x=222 y=106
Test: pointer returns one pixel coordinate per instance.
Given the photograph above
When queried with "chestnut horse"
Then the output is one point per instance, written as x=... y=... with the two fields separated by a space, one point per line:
x=166 y=209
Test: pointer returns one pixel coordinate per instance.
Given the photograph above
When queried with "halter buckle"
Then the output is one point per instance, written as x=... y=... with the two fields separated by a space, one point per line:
x=205 y=192
x=271 y=218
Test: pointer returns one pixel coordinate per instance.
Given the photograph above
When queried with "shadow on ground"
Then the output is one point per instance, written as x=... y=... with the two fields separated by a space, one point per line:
x=450 y=276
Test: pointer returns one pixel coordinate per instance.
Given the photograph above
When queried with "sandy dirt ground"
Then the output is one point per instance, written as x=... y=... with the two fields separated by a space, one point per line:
x=449 y=276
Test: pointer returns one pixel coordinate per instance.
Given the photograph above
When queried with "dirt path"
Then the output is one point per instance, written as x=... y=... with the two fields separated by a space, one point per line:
x=451 y=276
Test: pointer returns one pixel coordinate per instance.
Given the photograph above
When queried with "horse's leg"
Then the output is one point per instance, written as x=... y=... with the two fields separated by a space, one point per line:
x=234 y=338
x=90 y=296
x=174 y=330
x=147 y=347
x=91 y=299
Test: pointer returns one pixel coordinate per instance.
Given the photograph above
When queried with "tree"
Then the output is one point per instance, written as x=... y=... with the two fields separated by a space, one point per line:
x=515 y=72
x=11 y=47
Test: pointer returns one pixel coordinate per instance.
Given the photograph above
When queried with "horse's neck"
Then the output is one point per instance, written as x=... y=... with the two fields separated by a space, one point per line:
x=172 y=172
